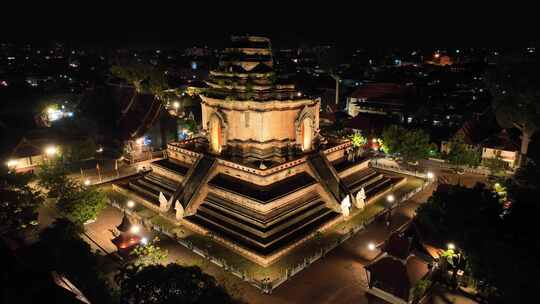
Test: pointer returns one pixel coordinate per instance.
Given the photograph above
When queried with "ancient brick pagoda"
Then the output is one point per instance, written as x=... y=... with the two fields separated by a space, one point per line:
x=262 y=180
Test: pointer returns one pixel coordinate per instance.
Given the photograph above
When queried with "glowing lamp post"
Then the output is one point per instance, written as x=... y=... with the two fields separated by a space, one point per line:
x=12 y=164
x=135 y=229
x=51 y=151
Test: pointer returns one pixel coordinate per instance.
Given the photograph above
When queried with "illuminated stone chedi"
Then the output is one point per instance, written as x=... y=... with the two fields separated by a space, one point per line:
x=261 y=180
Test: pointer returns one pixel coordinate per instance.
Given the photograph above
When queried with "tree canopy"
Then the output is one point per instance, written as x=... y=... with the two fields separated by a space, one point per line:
x=460 y=153
x=80 y=203
x=412 y=145
x=18 y=202
x=53 y=176
x=497 y=239
x=62 y=249
x=516 y=98
x=171 y=284
x=145 y=78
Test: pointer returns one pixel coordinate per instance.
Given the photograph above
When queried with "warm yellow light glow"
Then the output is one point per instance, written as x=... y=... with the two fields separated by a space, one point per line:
x=51 y=150
x=140 y=141
x=12 y=163
x=437 y=55
x=371 y=246
x=87 y=182
x=451 y=246
x=50 y=110
x=176 y=105
x=390 y=198
x=135 y=229
x=131 y=204
x=430 y=175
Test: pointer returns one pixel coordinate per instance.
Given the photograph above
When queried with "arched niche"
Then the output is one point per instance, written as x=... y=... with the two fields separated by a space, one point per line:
x=216 y=132
x=305 y=129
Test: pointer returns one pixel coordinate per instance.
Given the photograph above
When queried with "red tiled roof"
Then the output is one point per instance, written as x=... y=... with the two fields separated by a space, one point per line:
x=386 y=91
x=370 y=123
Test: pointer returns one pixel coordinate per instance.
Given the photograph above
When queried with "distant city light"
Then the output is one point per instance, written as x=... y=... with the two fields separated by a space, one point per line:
x=437 y=55
x=140 y=141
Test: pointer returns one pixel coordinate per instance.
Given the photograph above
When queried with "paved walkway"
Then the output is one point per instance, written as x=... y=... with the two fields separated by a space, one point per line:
x=336 y=278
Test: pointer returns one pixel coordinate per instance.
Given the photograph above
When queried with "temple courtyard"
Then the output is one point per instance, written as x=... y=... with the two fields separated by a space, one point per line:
x=342 y=268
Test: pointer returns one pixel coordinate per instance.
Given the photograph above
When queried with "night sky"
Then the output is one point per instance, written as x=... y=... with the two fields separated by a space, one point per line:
x=176 y=23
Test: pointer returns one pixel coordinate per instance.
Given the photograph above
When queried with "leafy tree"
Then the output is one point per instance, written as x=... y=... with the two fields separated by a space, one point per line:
x=498 y=244
x=516 y=102
x=460 y=153
x=171 y=284
x=18 y=202
x=495 y=165
x=521 y=112
x=145 y=78
x=149 y=254
x=412 y=145
x=80 y=150
x=358 y=140
x=53 y=176
x=62 y=249
x=81 y=204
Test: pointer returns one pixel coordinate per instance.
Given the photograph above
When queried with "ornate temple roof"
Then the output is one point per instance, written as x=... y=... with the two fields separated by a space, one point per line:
x=246 y=72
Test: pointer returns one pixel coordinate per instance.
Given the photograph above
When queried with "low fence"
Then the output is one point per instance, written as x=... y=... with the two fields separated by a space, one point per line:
x=265 y=285
x=377 y=164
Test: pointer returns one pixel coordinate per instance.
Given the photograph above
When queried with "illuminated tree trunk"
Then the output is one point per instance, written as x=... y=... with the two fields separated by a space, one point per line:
x=525 y=141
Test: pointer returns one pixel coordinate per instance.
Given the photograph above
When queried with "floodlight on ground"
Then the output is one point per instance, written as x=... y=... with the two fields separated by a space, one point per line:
x=430 y=175
x=135 y=229
x=371 y=246
x=451 y=246
x=390 y=198
x=86 y=182
x=131 y=204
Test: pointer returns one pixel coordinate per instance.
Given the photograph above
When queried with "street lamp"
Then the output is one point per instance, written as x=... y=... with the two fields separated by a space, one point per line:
x=51 y=150
x=371 y=246
x=131 y=204
x=430 y=175
x=144 y=241
x=12 y=163
x=135 y=229
x=390 y=198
